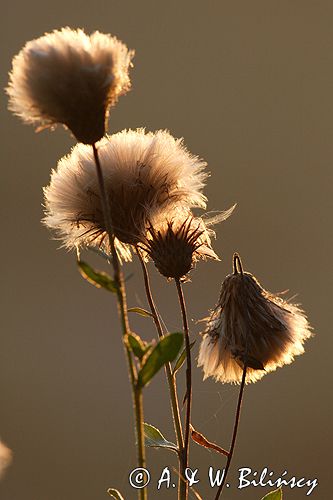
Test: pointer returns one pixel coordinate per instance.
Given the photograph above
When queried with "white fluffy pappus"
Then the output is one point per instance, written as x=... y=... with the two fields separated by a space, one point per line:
x=71 y=78
x=6 y=458
x=253 y=326
x=148 y=177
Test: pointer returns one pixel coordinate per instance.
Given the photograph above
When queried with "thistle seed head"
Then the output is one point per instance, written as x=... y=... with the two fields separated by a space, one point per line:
x=6 y=458
x=148 y=177
x=71 y=78
x=251 y=326
x=178 y=244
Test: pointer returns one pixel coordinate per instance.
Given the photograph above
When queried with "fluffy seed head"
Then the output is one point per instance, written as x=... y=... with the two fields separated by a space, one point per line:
x=6 y=457
x=148 y=177
x=177 y=245
x=71 y=78
x=250 y=325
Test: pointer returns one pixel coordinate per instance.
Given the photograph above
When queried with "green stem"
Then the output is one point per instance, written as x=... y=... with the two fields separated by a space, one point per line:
x=185 y=450
x=170 y=378
x=140 y=431
x=123 y=314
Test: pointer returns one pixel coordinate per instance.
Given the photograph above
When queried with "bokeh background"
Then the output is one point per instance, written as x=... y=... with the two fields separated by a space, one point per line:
x=249 y=87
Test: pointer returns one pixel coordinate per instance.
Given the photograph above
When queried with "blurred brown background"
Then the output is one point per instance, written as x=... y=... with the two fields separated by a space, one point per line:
x=249 y=87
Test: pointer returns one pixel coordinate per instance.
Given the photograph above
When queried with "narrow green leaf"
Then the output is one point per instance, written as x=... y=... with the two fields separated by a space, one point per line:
x=181 y=359
x=99 y=279
x=140 y=311
x=155 y=439
x=138 y=346
x=115 y=494
x=274 y=495
x=164 y=351
x=101 y=253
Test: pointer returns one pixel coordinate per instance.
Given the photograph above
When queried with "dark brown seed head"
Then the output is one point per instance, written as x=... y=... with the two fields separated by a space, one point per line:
x=175 y=247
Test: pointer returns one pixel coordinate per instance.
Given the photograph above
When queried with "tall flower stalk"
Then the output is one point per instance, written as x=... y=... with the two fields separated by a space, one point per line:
x=171 y=380
x=70 y=78
x=185 y=450
x=238 y=269
x=234 y=433
x=123 y=314
x=249 y=333
x=174 y=247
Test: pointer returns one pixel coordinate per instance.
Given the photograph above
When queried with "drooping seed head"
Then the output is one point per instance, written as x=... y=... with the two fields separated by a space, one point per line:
x=253 y=326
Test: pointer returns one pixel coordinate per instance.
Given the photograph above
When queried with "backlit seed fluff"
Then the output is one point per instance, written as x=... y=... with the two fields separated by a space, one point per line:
x=148 y=176
x=6 y=458
x=250 y=325
x=178 y=244
x=71 y=78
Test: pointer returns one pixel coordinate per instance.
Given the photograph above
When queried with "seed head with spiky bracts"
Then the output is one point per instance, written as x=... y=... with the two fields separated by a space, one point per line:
x=178 y=244
x=70 y=78
x=253 y=326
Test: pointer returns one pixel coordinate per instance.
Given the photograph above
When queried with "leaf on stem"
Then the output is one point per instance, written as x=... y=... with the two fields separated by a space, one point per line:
x=99 y=279
x=155 y=439
x=181 y=359
x=163 y=352
x=137 y=345
x=274 y=495
x=101 y=253
x=202 y=441
x=140 y=311
x=115 y=494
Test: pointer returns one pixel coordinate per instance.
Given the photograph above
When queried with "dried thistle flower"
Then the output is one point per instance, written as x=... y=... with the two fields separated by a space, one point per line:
x=71 y=78
x=178 y=244
x=6 y=457
x=148 y=176
x=251 y=326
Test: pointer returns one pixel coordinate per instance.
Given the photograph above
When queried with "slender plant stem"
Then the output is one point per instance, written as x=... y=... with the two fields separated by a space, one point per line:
x=234 y=434
x=123 y=314
x=237 y=269
x=188 y=377
x=139 y=419
x=170 y=378
x=118 y=275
